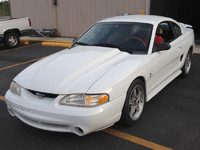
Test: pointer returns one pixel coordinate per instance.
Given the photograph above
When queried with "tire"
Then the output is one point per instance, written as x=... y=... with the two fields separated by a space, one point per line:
x=134 y=103
x=11 y=40
x=187 y=65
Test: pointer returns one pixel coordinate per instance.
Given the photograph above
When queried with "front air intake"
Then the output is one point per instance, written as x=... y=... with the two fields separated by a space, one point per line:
x=42 y=94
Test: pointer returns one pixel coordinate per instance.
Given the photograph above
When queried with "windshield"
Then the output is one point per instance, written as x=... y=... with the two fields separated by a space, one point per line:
x=131 y=37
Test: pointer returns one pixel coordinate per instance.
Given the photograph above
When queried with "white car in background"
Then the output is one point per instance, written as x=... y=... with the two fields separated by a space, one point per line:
x=107 y=75
x=12 y=29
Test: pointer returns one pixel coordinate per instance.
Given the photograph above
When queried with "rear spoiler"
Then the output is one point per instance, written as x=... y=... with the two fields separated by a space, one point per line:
x=186 y=25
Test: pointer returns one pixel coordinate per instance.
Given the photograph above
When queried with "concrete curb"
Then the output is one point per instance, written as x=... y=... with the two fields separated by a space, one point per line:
x=57 y=43
x=24 y=42
x=47 y=42
x=31 y=40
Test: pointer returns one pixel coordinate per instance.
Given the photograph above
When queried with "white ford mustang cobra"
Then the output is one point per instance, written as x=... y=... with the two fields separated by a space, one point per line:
x=107 y=75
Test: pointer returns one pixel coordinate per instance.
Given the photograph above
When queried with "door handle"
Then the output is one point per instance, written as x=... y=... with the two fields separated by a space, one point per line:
x=178 y=48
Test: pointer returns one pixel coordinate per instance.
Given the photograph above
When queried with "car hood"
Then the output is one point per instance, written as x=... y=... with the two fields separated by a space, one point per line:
x=72 y=70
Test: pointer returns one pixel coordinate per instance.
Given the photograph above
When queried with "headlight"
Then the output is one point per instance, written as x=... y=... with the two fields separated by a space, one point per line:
x=84 y=100
x=15 y=88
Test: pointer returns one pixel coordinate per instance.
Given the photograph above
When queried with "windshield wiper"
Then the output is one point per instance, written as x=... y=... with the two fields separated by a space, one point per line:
x=114 y=46
x=81 y=43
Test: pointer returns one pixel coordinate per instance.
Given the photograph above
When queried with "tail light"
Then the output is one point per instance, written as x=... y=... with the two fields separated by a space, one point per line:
x=29 y=22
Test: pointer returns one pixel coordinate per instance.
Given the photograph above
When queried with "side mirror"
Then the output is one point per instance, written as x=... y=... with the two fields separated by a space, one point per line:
x=162 y=47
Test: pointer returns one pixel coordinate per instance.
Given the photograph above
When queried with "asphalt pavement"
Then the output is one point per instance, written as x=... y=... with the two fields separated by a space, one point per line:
x=170 y=120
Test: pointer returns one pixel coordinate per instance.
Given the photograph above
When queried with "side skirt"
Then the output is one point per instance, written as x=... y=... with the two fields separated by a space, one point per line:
x=162 y=85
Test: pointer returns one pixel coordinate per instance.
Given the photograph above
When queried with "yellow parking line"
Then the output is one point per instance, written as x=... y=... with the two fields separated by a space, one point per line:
x=2 y=98
x=136 y=140
x=20 y=63
x=19 y=48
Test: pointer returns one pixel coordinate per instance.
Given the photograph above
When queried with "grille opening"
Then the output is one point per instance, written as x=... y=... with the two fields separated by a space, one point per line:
x=49 y=95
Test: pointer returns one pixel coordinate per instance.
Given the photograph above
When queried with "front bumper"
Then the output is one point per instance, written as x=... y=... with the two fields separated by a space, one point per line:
x=48 y=114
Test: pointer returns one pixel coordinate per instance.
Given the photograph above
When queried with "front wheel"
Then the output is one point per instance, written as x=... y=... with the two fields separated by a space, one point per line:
x=11 y=40
x=187 y=64
x=134 y=103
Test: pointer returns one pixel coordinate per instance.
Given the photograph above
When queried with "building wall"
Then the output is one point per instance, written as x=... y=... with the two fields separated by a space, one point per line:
x=41 y=12
x=72 y=17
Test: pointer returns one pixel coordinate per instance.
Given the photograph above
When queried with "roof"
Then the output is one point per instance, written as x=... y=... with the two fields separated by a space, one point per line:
x=136 y=18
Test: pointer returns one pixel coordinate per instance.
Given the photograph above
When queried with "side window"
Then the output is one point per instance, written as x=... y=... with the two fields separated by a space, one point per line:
x=167 y=33
x=177 y=29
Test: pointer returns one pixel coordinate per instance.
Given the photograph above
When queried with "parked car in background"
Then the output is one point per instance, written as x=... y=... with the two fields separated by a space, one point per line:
x=107 y=75
x=12 y=29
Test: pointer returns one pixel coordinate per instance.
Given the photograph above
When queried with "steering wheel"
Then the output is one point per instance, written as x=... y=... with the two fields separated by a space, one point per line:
x=137 y=39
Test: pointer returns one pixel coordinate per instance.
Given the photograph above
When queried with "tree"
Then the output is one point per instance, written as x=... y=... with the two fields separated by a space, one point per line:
x=5 y=8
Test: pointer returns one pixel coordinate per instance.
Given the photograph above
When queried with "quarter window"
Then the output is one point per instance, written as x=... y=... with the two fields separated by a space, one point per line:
x=177 y=29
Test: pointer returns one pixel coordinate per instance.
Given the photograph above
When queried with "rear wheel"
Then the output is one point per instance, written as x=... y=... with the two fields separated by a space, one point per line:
x=134 y=103
x=11 y=40
x=187 y=64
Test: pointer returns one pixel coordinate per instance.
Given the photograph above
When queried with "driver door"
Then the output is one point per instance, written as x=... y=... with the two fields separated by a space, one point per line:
x=165 y=63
